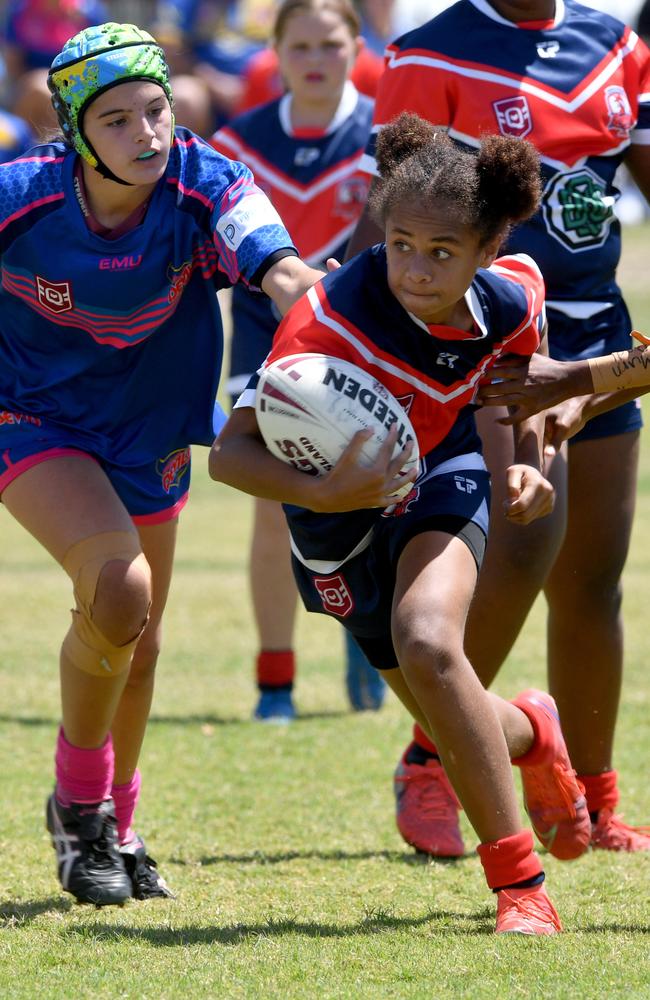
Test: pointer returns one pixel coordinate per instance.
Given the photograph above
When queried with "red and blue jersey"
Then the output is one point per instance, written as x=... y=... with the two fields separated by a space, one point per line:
x=121 y=340
x=577 y=87
x=312 y=177
x=432 y=370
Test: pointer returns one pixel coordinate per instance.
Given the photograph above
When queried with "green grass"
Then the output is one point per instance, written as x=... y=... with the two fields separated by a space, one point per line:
x=291 y=879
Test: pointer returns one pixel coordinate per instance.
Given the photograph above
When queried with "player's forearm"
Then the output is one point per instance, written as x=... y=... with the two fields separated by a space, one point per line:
x=244 y=463
x=528 y=440
x=287 y=280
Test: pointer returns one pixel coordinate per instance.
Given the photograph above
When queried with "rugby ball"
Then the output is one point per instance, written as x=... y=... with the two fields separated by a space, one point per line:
x=309 y=407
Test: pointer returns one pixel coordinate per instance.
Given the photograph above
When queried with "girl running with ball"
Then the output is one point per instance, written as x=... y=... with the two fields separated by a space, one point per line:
x=427 y=313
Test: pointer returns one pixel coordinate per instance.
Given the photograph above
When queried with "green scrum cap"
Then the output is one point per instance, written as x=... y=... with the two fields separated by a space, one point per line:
x=94 y=60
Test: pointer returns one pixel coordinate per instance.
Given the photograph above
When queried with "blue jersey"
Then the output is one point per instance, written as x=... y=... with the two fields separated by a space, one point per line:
x=433 y=370
x=120 y=340
x=577 y=87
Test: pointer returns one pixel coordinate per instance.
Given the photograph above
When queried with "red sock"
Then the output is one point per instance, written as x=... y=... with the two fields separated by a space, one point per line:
x=125 y=798
x=422 y=740
x=83 y=775
x=275 y=668
x=601 y=790
x=543 y=735
x=509 y=860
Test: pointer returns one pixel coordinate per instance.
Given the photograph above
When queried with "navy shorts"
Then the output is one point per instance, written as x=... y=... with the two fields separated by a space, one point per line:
x=360 y=592
x=576 y=339
x=152 y=493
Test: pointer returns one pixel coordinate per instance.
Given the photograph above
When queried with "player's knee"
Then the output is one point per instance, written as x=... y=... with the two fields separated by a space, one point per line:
x=112 y=589
x=122 y=599
x=426 y=657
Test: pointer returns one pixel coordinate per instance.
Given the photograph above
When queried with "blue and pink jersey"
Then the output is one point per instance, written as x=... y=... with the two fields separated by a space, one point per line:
x=118 y=342
x=577 y=87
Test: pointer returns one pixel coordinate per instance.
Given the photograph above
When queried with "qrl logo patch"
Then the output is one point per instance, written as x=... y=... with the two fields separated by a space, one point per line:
x=576 y=212
x=513 y=116
x=334 y=593
x=172 y=468
x=55 y=296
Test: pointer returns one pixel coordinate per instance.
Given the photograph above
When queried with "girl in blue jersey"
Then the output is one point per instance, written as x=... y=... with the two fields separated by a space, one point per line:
x=113 y=244
x=304 y=150
x=427 y=313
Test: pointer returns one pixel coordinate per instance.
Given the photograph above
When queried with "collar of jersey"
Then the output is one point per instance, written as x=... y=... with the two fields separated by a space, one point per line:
x=75 y=213
x=485 y=8
x=347 y=105
x=443 y=332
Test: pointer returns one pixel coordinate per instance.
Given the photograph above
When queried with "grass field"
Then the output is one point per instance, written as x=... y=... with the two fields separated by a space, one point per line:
x=280 y=842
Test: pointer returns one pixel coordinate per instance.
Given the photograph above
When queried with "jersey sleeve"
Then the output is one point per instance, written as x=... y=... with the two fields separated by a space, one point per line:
x=247 y=230
x=522 y=272
x=640 y=134
x=408 y=85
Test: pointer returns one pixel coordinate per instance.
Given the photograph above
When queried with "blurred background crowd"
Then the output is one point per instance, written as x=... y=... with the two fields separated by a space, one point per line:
x=217 y=50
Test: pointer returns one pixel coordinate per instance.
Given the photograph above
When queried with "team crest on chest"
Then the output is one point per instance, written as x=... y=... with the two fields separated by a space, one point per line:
x=513 y=116
x=351 y=195
x=55 y=296
x=620 y=118
x=576 y=211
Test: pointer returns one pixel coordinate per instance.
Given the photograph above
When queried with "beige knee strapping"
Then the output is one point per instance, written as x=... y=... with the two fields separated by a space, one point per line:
x=85 y=646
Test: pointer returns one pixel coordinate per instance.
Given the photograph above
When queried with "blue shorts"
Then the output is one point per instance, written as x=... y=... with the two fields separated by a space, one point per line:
x=576 y=339
x=360 y=592
x=152 y=493
x=255 y=320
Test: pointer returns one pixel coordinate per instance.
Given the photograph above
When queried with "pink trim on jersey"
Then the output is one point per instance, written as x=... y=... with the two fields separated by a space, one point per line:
x=190 y=192
x=161 y=516
x=59 y=196
x=33 y=159
x=16 y=469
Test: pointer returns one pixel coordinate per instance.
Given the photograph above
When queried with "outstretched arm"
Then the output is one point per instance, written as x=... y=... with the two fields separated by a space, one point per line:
x=530 y=386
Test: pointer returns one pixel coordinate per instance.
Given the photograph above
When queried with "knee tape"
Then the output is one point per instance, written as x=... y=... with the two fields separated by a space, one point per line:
x=85 y=645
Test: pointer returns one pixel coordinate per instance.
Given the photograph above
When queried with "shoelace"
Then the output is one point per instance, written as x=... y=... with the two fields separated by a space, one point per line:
x=434 y=796
x=567 y=781
x=534 y=909
x=623 y=832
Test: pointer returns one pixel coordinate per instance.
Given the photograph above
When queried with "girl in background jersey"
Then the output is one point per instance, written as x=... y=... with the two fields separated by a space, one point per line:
x=113 y=244
x=426 y=314
x=303 y=149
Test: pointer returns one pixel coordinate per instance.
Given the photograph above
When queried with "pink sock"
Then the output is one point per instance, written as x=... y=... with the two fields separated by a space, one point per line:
x=83 y=775
x=125 y=798
x=509 y=860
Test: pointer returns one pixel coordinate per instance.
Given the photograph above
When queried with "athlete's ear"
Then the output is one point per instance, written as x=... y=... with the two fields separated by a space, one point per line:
x=490 y=250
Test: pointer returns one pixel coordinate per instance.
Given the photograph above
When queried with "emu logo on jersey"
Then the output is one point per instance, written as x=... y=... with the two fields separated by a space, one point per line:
x=576 y=211
x=56 y=296
x=513 y=116
x=334 y=593
x=621 y=119
x=172 y=468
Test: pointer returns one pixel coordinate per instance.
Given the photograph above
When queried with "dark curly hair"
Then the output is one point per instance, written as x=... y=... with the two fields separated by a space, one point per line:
x=491 y=189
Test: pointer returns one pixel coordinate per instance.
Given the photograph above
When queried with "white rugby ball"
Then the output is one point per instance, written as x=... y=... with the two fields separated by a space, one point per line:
x=309 y=407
